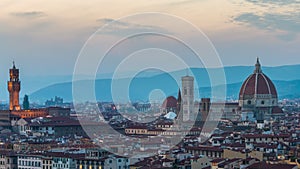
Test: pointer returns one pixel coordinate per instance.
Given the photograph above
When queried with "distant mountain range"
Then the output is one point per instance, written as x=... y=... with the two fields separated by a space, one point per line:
x=286 y=79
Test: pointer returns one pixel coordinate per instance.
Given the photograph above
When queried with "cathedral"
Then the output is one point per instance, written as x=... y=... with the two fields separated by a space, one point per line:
x=257 y=103
x=258 y=97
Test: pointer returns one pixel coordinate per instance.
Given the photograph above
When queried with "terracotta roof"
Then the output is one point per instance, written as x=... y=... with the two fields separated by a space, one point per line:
x=64 y=155
x=264 y=165
x=64 y=121
x=277 y=110
x=206 y=148
x=7 y=153
x=258 y=83
x=169 y=102
x=217 y=160
x=266 y=136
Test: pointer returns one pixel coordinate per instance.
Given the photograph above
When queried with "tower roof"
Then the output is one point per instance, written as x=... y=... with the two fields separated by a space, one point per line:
x=14 y=66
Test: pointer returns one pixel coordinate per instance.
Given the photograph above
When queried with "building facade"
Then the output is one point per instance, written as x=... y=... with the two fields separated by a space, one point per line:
x=30 y=161
x=8 y=160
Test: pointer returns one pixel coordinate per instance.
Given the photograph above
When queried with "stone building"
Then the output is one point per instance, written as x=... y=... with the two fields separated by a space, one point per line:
x=8 y=160
x=258 y=95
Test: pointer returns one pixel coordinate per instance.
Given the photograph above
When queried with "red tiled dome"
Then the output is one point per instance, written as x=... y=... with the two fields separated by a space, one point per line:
x=258 y=83
x=170 y=102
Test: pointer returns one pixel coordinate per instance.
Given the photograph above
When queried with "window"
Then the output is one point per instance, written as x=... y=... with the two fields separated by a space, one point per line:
x=262 y=102
x=249 y=102
x=185 y=91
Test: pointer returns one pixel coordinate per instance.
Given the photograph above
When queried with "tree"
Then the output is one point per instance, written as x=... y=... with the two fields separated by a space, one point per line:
x=26 y=103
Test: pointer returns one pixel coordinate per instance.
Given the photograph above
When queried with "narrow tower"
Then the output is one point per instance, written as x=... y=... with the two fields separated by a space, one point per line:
x=188 y=98
x=14 y=87
x=205 y=108
x=178 y=102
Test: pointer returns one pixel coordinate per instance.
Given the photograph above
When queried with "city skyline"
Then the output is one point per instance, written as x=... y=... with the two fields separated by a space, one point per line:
x=44 y=32
x=45 y=38
x=43 y=91
x=169 y=84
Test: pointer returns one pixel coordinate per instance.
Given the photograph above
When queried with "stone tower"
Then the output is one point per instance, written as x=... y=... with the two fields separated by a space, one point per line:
x=205 y=108
x=188 y=98
x=14 y=87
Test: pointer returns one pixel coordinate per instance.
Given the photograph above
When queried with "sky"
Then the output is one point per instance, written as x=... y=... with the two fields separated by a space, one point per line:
x=44 y=38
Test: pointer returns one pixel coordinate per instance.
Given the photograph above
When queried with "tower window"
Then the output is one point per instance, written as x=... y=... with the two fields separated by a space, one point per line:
x=185 y=91
x=249 y=102
x=262 y=102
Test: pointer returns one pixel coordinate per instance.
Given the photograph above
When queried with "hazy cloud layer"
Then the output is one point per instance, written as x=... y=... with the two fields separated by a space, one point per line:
x=278 y=2
x=287 y=21
x=271 y=21
x=116 y=27
x=184 y=2
x=31 y=14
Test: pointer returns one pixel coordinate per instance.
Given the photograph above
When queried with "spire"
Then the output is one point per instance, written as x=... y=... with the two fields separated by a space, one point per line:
x=178 y=102
x=257 y=66
x=14 y=66
x=179 y=96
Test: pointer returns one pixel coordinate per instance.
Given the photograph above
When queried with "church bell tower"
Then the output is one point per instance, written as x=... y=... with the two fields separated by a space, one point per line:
x=14 y=87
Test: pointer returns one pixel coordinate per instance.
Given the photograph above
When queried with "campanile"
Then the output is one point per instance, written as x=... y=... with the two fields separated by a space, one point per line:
x=14 y=87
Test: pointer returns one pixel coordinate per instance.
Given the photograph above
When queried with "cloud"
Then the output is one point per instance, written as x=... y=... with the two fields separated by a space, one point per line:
x=287 y=23
x=30 y=14
x=184 y=2
x=252 y=19
x=274 y=2
x=290 y=23
x=116 y=27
